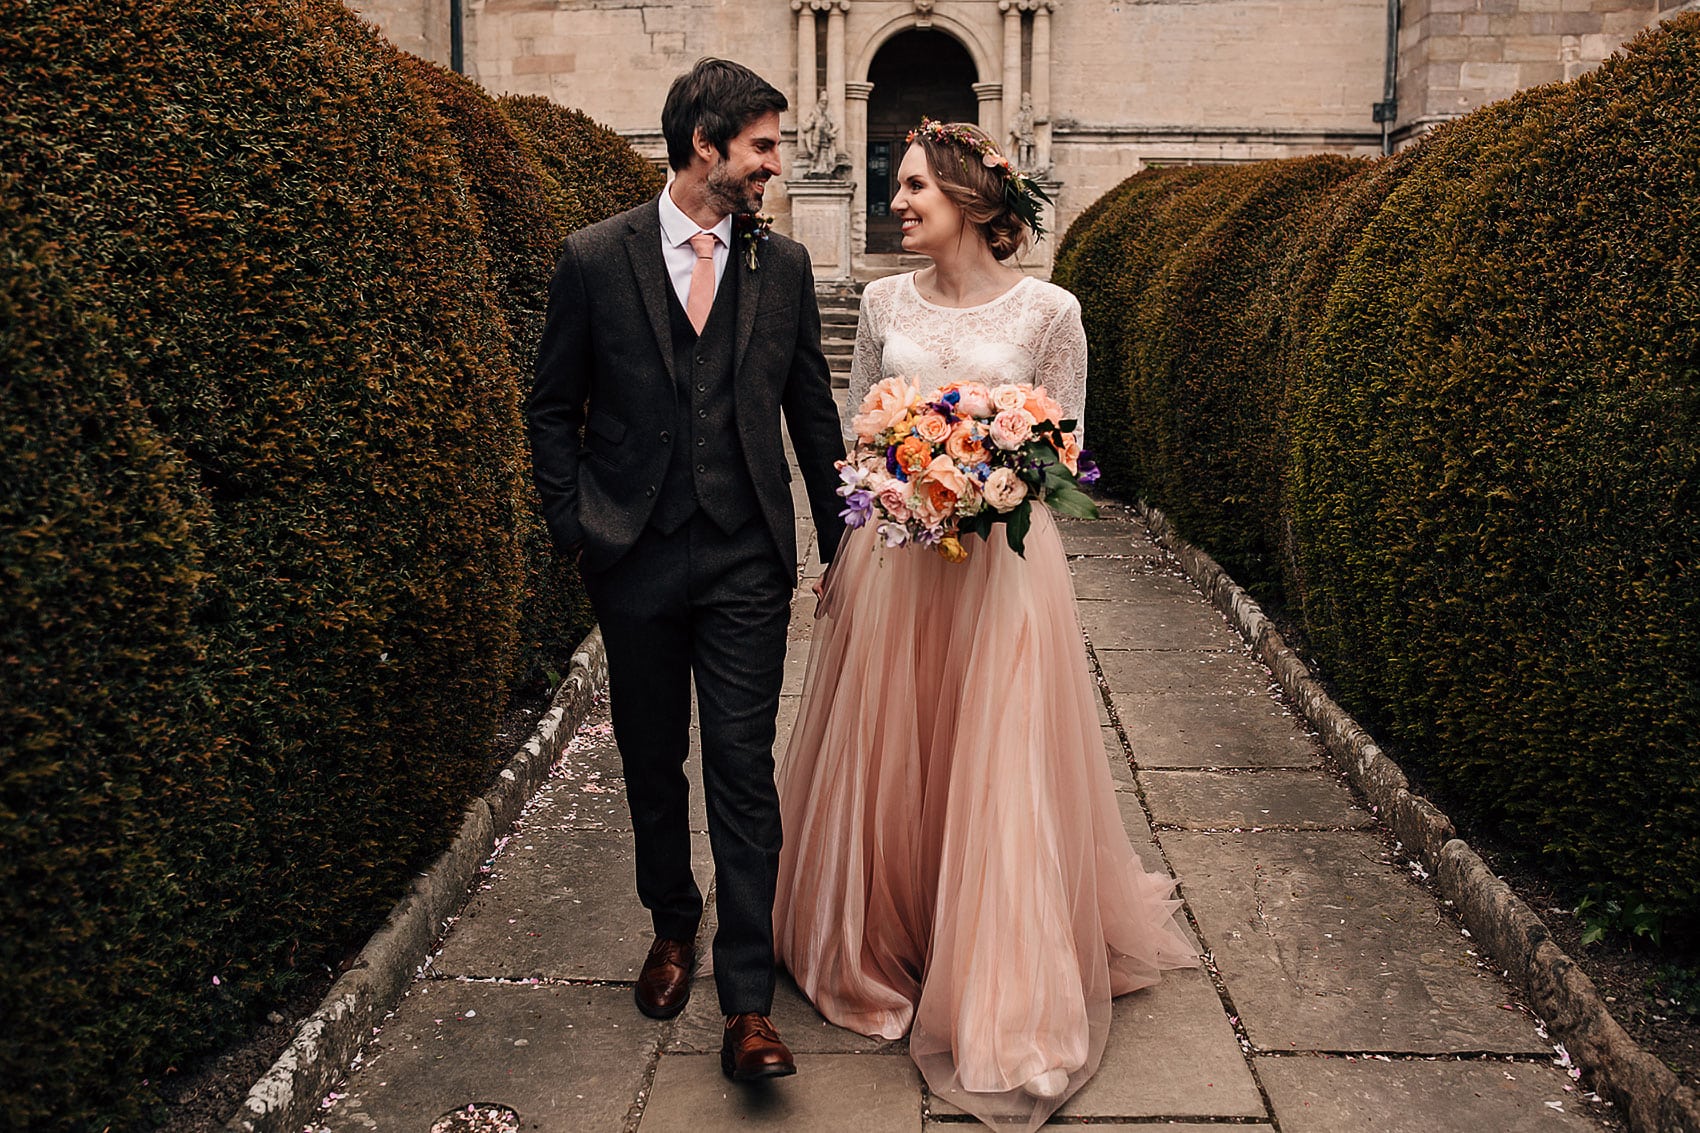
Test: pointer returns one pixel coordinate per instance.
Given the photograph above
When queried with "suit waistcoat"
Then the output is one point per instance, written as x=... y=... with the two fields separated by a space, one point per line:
x=706 y=469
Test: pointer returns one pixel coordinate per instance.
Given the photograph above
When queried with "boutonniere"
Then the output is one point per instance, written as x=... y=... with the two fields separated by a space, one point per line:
x=753 y=229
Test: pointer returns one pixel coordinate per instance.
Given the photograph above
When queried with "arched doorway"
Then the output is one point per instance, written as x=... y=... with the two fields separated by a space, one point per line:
x=917 y=72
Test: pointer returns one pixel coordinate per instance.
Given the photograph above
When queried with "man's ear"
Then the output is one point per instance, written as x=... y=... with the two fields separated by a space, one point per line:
x=703 y=147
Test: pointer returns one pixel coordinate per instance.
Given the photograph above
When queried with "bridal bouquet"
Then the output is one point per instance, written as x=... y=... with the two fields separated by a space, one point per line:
x=931 y=467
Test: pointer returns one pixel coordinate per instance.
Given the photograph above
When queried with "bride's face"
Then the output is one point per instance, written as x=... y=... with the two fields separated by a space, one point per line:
x=932 y=222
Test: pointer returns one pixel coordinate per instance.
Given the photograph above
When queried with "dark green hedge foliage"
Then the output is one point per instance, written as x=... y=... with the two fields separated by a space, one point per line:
x=526 y=216
x=1446 y=405
x=597 y=171
x=588 y=173
x=261 y=538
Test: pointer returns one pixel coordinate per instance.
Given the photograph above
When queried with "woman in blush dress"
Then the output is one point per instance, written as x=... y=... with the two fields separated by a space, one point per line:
x=954 y=865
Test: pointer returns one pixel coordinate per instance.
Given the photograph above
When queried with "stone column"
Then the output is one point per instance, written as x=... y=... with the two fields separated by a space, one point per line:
x=991 y=108
x=805 y=59
x=1042 y=80
x=856 y=142
x=835 y=59
x=1011 y=68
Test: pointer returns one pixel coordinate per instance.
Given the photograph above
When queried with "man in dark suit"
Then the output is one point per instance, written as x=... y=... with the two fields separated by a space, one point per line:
x=676 y=334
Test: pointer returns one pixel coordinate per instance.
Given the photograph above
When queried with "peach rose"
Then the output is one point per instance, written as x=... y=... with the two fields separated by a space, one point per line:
x=976 y=399
x=1007 y=397
x=886 y=405
x=1070 y=454
x=943 y=470
x=932 y=428
x=1003 y=489
x=963 y=446
x=1043 y=406
x=1011 y=429
x=912 y=455
x=893 y=498
x=938 y=487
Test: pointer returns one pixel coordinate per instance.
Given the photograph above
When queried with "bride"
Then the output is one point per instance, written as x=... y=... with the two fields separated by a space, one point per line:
x=954 y=866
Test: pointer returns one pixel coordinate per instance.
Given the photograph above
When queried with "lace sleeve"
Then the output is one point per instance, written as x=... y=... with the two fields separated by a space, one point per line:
x=1061 y=362
x=865 y=362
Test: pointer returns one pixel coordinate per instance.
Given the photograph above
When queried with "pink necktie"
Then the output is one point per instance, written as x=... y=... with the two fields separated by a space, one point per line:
x=702 y=280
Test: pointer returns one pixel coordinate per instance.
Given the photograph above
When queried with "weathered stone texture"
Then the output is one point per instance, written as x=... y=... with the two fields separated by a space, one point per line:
x=1129 y=83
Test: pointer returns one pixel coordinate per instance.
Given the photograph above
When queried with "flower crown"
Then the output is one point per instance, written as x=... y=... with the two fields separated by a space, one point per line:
x=1021 y=193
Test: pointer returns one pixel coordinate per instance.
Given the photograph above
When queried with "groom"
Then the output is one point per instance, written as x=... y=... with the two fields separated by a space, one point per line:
x=676 y=334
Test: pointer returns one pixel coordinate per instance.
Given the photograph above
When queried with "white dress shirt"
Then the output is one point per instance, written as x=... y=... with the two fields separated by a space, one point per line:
x=681 y=259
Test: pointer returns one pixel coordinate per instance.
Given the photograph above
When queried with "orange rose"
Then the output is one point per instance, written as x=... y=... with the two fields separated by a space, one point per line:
x=963 y=446
x=1070 y=453
x=936 y=499
x=1043 y=406
x=913 y=454
x=932 y=428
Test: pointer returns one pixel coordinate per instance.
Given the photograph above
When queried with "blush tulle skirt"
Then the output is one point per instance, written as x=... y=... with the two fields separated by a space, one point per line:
x=954 y=864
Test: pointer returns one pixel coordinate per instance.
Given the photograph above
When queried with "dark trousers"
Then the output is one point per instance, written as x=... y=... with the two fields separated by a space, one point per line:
x=702 y=605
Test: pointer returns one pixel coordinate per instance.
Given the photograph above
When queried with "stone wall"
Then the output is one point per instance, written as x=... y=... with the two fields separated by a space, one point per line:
x=419 y=26
x=1129 y=83
x=1457 y=55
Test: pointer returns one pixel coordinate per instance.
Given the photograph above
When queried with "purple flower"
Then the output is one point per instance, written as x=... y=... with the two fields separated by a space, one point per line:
x=858 y=507
x=891 y=464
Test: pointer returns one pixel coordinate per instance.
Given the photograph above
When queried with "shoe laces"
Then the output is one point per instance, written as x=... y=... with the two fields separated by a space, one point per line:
x=760 y=1025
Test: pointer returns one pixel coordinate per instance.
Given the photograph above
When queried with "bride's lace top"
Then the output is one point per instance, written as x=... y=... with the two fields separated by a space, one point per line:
x=1030 y=333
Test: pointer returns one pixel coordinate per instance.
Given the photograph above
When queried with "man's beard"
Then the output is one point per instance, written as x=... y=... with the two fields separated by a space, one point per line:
x=730 y=194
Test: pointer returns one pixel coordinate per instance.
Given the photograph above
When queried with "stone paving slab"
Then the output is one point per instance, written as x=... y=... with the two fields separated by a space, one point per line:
x=699 y=1027
x=1167 y=732
x=567 y=1059
x=561 y=904
x=1160 y=622
x=1171 y=1053
x=1328 y=1095
x=1136 y=1127
x=1155 y=672
x=1325 y=944
x=1214 y=800
x=1141 y=575
x=831 y=1093
x=1128 y=580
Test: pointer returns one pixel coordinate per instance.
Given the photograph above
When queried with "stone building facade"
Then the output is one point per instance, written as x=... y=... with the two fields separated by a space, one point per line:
x=1086 y=91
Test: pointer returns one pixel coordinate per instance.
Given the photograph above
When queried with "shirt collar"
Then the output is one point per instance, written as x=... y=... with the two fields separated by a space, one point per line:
x=677 y=228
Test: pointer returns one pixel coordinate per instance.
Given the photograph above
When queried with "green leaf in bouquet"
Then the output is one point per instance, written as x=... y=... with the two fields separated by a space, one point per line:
x=980 y=523
x=1018 y=521
x=1069 y=425
x=1067 y=499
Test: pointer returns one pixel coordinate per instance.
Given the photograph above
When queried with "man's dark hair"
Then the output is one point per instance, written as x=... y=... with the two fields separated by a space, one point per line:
x=720 y=98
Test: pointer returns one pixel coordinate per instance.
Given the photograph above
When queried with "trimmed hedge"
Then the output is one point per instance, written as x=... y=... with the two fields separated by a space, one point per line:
x=264 y=324
x=1200 y=364
x=1445 y=404
x=1107 y=258
x=593 y=166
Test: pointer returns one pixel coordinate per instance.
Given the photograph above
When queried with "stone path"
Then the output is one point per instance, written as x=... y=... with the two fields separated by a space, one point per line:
x=1340 y=994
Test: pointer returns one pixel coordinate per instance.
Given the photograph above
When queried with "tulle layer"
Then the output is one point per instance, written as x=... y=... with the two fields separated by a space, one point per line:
x=954 y=865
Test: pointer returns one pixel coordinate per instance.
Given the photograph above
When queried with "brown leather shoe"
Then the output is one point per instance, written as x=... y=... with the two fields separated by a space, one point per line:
x=664 y=986
x=751 y=1049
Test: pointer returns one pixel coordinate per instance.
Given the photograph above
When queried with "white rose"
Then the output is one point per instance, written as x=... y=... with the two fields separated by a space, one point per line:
x=1003 y=489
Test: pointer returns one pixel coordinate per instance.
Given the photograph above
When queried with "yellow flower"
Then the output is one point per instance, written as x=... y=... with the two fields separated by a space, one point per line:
x=952 y=549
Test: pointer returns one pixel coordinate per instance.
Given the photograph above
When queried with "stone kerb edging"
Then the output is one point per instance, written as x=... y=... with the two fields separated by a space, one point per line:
x=1644 y=1089
x=325 y=1043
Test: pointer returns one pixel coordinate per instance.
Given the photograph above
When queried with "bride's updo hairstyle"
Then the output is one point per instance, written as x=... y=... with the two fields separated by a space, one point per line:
x=957 y=153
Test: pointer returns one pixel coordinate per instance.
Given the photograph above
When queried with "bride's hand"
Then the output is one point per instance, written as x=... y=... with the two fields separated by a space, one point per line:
x=819 y=586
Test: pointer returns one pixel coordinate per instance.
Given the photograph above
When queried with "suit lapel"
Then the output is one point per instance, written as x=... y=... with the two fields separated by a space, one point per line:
x=749 y=295
x=643 y=247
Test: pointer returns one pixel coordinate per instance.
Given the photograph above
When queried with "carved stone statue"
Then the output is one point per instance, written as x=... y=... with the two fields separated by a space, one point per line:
x=817 y=142
x=1023 y=140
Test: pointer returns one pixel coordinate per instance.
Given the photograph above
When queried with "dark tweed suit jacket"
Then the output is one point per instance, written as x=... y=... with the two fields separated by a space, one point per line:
x=606 y=367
